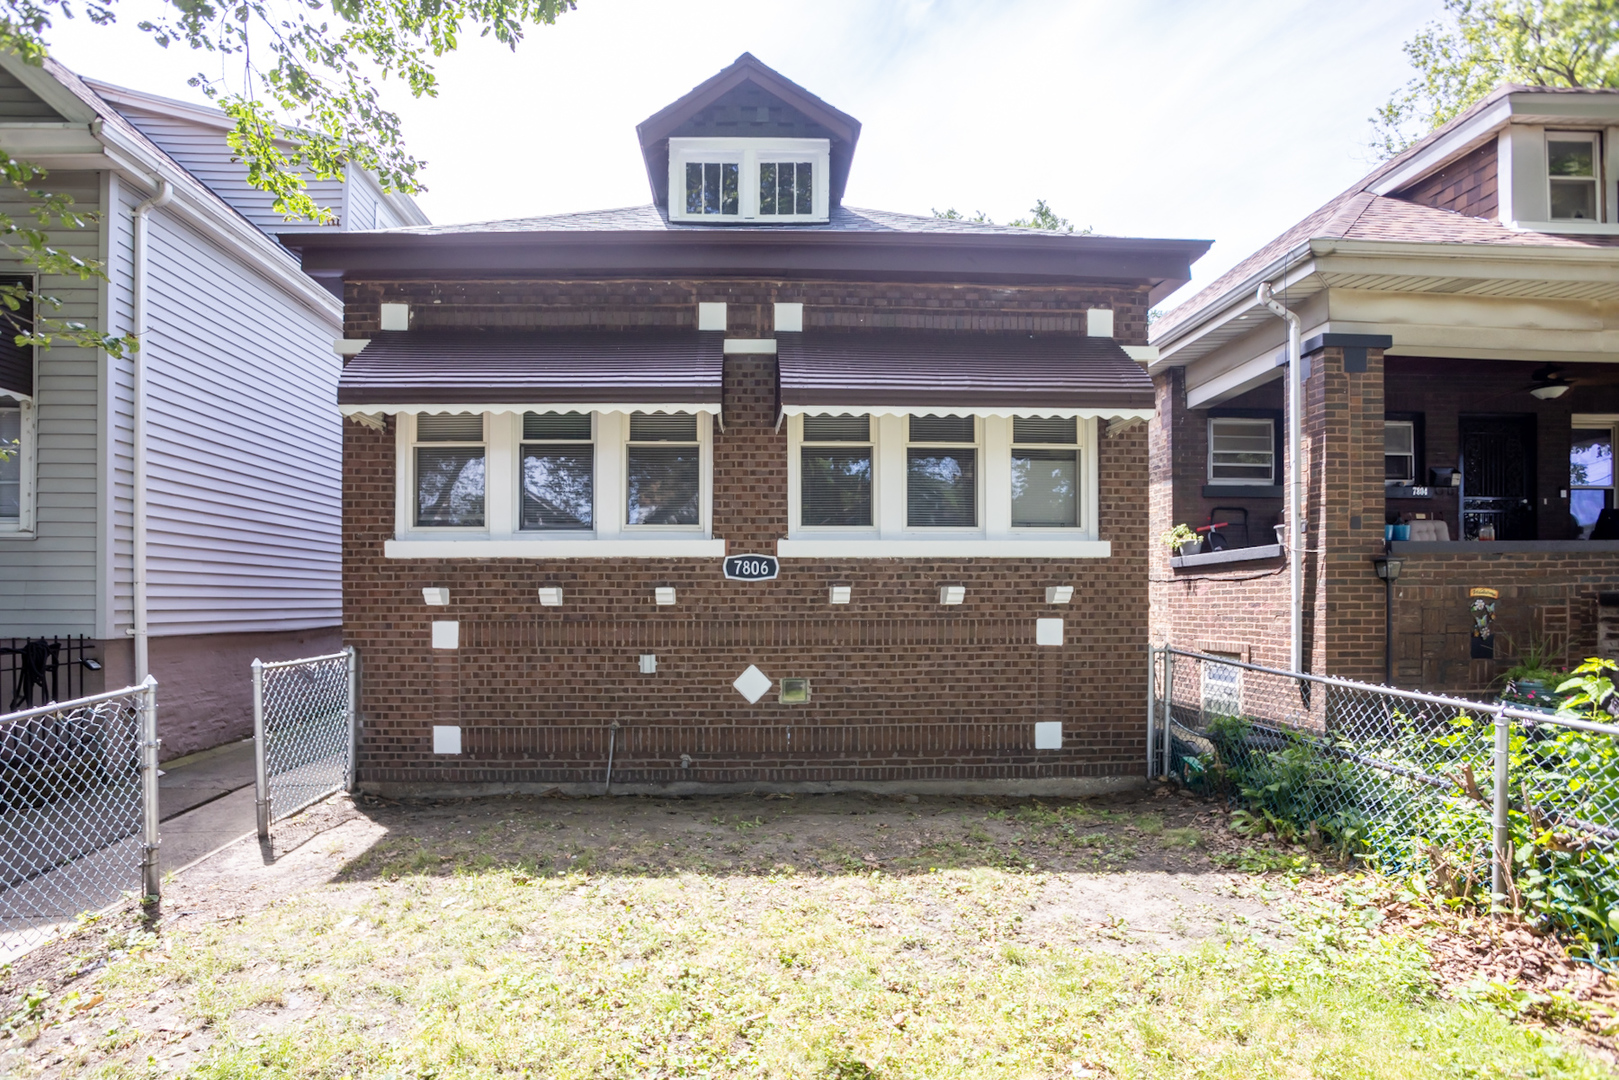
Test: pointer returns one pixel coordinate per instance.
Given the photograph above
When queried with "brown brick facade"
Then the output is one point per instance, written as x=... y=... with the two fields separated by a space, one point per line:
x=904 y=690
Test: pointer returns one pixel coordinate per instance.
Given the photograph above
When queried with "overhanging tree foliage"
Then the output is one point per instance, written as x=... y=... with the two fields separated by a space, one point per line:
x=299 y=81
x=1484 y=43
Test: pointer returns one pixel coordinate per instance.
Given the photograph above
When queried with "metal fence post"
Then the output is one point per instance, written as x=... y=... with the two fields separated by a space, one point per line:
x=351 y=774
x=261 y=781
x=1169 y=709
x=1152 y=702
x=151 y=878
x=1503 y=837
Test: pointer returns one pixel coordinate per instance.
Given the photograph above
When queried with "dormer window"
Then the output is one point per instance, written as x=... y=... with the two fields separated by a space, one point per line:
x=1572 y=167
x=711 y=187
x=735 y=180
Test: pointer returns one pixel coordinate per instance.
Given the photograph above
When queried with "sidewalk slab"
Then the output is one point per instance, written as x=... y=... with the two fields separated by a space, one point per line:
x=195 y=779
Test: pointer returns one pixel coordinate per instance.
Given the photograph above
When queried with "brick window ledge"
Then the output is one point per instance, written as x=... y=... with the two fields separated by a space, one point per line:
x=1230 y=555
x=1504 y=547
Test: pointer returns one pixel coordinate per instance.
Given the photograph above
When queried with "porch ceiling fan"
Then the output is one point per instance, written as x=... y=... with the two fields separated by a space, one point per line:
x=1549 y=383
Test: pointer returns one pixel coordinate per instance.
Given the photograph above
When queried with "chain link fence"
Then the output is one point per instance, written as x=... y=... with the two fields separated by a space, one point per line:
x=304 y=732
x=78 y=811
x=1471 y=799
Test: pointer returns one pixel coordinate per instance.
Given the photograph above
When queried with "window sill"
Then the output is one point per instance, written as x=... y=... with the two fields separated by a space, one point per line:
x=1230 y=555
x=1243 y=491
x=471 y=547
x=11 y=532
x=944 y=549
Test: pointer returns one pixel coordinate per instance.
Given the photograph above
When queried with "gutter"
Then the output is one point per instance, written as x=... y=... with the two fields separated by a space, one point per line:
x=164 y=195
x=1295 y=471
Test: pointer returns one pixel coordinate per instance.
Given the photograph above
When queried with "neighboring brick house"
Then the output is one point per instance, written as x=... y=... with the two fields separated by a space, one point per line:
x=1461 y=377
x=560 y=428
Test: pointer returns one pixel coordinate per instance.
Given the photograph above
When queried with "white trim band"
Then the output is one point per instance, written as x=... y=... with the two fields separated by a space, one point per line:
x=477 y=548
x=1083 y=413
x=944 y=549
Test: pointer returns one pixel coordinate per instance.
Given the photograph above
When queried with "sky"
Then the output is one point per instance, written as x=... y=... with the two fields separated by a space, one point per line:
x=1204 y=119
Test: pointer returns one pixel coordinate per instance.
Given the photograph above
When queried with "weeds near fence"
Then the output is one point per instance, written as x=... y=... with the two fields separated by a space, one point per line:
x=1406 y=789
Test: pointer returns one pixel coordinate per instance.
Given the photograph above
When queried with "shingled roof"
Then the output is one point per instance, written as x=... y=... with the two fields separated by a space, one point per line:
x=1360 y=214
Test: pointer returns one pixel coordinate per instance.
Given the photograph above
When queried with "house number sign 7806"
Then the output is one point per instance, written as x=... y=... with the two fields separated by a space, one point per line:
x=751 y=567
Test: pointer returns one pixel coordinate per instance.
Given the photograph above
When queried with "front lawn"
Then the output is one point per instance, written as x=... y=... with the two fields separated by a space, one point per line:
x=835 y=936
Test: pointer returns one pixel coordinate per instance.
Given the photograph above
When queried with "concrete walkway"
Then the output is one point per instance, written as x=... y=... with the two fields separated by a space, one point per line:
x=205 y=800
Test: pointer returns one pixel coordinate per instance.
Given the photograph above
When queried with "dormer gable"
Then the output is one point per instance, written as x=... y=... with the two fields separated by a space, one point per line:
x=748 y=146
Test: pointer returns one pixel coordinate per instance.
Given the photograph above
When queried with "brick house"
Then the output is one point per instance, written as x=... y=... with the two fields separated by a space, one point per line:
x=563 y=432
x=1460 y=382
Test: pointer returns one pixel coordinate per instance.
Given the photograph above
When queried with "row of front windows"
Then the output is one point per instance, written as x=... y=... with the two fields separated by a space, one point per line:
x=657 y=464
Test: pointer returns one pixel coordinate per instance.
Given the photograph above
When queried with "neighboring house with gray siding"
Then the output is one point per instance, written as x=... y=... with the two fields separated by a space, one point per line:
x=243 y=440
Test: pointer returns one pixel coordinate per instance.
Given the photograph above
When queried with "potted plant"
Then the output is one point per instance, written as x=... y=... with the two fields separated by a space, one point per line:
x=1532 y=682
x=1181 y=540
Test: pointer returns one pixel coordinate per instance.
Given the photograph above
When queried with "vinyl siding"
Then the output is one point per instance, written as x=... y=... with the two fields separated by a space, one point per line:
x=48 y=584
x=17 y=102
x=244 y=451
x=202 y=151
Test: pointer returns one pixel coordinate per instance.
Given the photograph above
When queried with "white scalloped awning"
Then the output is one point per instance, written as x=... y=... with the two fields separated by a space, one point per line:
x=1083 y=413
x=516 y=407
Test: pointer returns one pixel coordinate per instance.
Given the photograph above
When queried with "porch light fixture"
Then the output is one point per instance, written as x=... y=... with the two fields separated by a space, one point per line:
x=436 y=597
x=1550 y=392
x=1059 y=594
x=952 y=594
x=1549 y=384
x=551 y=596
x=1388 y=567
x=665 y=595
x=839 y=594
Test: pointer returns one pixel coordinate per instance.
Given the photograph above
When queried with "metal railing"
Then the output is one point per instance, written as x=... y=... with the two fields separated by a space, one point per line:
x=78 y=811
x=304 y=732
x=38 y=671
x=1498 y=801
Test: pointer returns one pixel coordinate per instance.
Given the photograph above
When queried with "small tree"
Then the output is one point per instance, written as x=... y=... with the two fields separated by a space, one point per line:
x=1484 y=43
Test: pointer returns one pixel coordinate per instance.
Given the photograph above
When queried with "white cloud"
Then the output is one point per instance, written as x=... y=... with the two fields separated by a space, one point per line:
x=1219 y=121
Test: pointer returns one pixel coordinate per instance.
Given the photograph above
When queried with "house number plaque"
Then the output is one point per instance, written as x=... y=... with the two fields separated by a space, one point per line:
x=751 y=567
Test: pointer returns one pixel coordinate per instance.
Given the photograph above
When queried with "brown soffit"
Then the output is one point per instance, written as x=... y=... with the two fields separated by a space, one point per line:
x=1161 y=266
x=655 y=130
x=921 y=368
x=427 y=367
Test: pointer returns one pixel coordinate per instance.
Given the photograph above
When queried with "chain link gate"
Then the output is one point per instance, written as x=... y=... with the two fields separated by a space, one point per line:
x=78 y=811
x=304 y=732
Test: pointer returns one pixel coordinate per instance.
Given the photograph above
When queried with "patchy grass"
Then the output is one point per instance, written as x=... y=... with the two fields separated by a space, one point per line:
x=474 y=942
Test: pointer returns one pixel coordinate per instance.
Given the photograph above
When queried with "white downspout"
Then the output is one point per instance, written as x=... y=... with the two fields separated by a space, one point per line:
x=1295 y=473
x=137 y=288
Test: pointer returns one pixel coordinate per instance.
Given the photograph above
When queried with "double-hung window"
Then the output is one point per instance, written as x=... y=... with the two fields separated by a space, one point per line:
x=559 y=472
x=663 y=470
x=1399 y=453
x=1590 y=472
x=450 y=463
x=1242 y=450
x=1573 y=168
x=10 y=465
x=1045 y=473
x=835 y=472
x=941 y=473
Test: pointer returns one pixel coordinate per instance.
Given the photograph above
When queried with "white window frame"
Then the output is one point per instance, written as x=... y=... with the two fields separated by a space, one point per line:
x=502 y=537
x=1409 y=425
x=795 y=484
x=517 y=476
x=980 y=464
x=748 y=153
x=1597 y=421
x=1597 y=179
x=705 y=484
x=994 y=537
x=1212 y=480
x=22 y=527
x=1081 y=476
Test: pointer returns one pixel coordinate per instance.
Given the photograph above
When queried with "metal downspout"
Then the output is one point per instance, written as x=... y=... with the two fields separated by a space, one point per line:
x=1295 y=472
x=164 y=195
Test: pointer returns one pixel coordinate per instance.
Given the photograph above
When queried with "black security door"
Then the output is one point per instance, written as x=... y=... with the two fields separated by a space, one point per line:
x=1498 y=476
